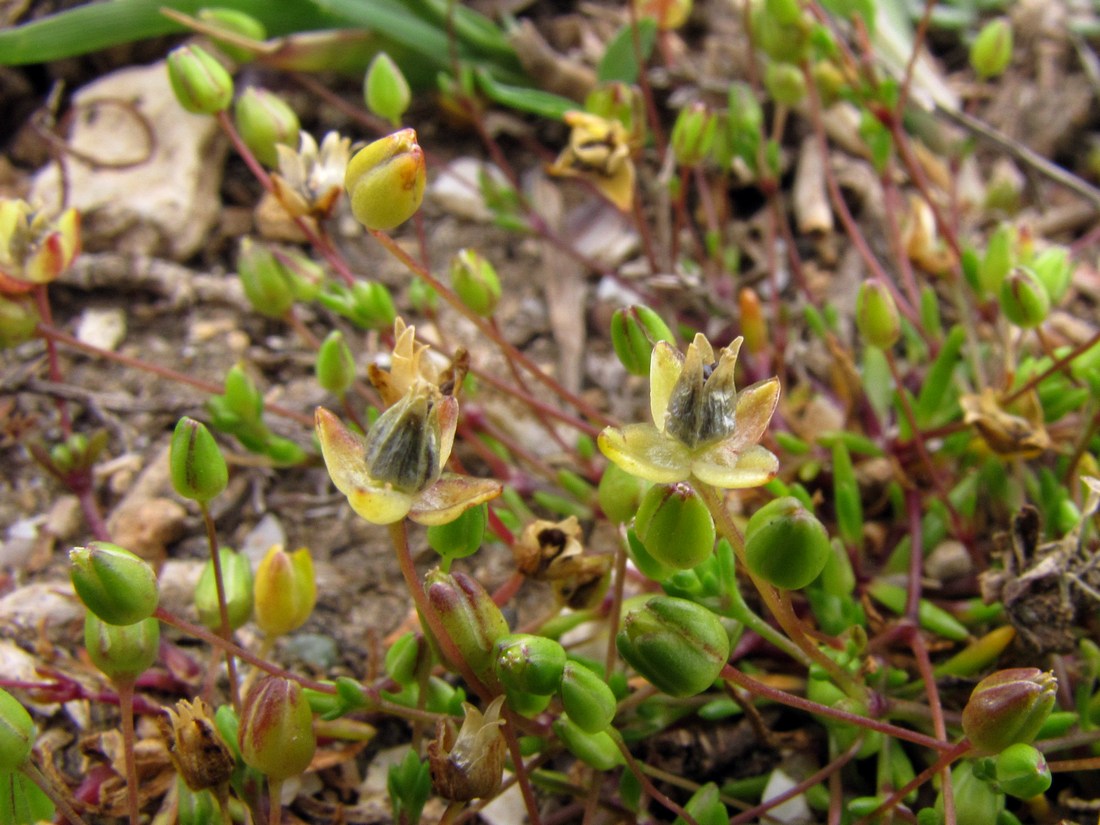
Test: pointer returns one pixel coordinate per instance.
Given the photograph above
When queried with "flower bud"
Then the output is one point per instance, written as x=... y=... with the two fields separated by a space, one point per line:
x=335 y=365
x=475 y=281
x=1022 y=771
x=586 y=698
x=116 y=585
x=198 y=467
x=469 y=764
x=1007 y=707
x=669 y=14
x=202 y=758
x=385 y=181
x=372 y=305
x=634 y=332
x=122 y=652
x=276 y=730
x=202 y=86
x=785 y=544
x=265 y=120
x=781 y=30
x=991 y=51
x=18 y=320
x=1055 y=271
x=238 y=584
x=597 y=750
x=746 y=122
x=385 y=89
x=693 y=134
x=754 y=326
x=462 y=537
x=469 y=615
x=1024 y=300
x=285 y=590
x=268 y=283
x=235 y=22
x=877 y=315
x=620 y=493
x=677 y=645
x=675 y=526
x=17 y=733
x=785 y=83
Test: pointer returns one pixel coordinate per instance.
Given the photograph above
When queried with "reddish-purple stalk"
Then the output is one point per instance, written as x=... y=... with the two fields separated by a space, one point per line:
x=487 y=330
x=54 y=334
x=225 y=631
x=125 y=690
x=827 y=772
x=60 y=801
x=757 y=688
x=636 y=768
x=947 y=757
x=42 y=298
x=400 y=539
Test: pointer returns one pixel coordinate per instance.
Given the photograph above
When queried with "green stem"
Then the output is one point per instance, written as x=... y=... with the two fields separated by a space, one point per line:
x=223 y=608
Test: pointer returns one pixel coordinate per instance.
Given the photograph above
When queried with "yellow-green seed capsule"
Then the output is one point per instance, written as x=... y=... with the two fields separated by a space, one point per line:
x=276 y=729
x=335 y=365
x=385 y=181
x=238 y=583
x=785 y=544
x=18 y=320
x=1024 y=299
x=785 y=83
x=201 y=83
x=285 y=590
x=116 y=585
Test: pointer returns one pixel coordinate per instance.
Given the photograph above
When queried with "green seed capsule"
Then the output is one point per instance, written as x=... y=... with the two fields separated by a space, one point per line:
x=122 y=652
x=785 y=544
x=17 y=733
x=276 y=729
x=675 y=526
x=198 y=468
x=530 y=664
x=1022 y=771
x=587 y=698
x=202 y=86
x=116 y=585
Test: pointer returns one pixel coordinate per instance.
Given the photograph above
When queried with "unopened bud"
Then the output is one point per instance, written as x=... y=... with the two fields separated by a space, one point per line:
x=1022 y=771
x=693 y=134
x=469 y=764
x=597 y=750
x=264 y=120
x=238 y=584
x=976 y=801
x=268 y=283
x=285 y=590
x=619 y=101
x=754 y=326
x=1024 y=300
x=17 y=733
x=372 y=305
x=785 y=544
x=198 y=468
x=385 y=89
x=201 y=83
x=679 y=646
x=784 y=82
x=116 y=585
x=468 y=613
x=121 y=652
x=669 y=14
x=335 y=365
x=620 y=493
x=1007 y=707
x=675 y=526
x=877 y=315
x=634 y=332
x=475 y=281
x=991 y=51
x=1054 y=270
x=385 y=181
x=586 y=698
x=276 y=729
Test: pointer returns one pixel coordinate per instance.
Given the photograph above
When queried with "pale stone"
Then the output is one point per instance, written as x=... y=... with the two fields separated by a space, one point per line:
x=102 y=327
x=152 y=184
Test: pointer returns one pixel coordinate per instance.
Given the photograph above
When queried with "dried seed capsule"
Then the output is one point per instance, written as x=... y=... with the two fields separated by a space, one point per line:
x=469 y=764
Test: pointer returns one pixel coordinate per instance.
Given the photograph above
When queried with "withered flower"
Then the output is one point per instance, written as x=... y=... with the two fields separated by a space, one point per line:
x=599 y=152
x=468 y=764
x=310 y=181
x=552 y=551
x=200 y=755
